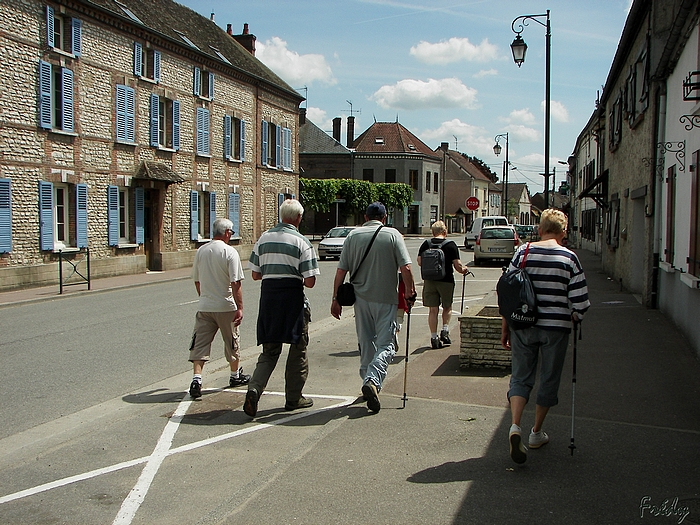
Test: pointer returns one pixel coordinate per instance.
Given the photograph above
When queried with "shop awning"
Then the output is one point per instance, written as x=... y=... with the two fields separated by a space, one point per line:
x=597 y=190
x=150 y=170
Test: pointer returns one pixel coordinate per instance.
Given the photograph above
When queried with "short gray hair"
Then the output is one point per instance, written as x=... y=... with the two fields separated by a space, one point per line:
x=220 y=226
x=290 y=209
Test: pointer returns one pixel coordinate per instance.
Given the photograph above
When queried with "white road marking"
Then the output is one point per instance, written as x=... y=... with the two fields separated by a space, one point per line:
x=163 y=450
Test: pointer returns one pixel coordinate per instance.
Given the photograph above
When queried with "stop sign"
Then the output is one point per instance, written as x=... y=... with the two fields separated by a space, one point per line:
x=472 y=203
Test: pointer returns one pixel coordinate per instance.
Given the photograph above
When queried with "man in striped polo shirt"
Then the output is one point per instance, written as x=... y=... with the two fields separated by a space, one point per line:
x=286 y=262
x=562 y=299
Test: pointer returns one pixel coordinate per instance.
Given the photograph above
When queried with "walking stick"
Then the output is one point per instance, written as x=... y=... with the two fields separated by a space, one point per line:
x=405 y=367
x=464 y=280
x=573 y=389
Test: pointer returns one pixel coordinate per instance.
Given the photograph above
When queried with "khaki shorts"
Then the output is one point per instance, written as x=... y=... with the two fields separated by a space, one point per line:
x=437 y=293
x=206 y=325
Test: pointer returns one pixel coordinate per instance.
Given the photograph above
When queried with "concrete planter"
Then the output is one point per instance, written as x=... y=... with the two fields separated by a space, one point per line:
x=480 y=345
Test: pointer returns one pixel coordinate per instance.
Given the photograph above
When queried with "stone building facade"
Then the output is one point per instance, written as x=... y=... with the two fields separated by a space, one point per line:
x=126 y=128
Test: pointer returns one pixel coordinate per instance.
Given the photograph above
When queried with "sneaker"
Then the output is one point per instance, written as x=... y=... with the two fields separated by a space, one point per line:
x=241 y=380
x=518 y=451
x=435 y=342
x=304 y=402
x=445 y=337
x=370 y=393
x=250 y=406
x=537 y=439
x=196 y=389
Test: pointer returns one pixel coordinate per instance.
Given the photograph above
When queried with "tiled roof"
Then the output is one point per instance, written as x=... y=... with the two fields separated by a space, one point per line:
x=472 y=169
x=157 y=171
x=313 y=139
x=390 y=137
x=172 y=21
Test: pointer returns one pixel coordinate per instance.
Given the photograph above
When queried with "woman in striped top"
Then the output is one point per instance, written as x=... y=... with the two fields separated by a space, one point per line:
x=562 y=298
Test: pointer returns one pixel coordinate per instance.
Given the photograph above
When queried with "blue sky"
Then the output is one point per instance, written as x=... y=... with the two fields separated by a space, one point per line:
x=443 y=68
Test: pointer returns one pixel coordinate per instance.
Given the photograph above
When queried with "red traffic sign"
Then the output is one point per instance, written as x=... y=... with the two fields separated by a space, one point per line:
x=472 y=203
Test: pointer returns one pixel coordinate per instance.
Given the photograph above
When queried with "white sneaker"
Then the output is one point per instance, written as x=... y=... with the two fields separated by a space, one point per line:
x=518 y=451
x=537 y=439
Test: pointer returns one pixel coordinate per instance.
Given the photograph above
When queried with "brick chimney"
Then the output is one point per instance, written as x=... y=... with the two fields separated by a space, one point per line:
x=444 y=146
x=351 y=131
x=302 y=116
x=245 y=39
x=336 y=128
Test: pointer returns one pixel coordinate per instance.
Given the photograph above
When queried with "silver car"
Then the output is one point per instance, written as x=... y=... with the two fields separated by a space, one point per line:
x=495 y=242
x=332 y=243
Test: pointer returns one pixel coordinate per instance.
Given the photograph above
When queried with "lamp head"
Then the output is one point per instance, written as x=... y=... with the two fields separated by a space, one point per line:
x=497 y=149
x=519 y=48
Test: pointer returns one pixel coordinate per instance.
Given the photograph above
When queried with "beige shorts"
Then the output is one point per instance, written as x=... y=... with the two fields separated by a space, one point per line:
x=206 y=325
x=436 y=293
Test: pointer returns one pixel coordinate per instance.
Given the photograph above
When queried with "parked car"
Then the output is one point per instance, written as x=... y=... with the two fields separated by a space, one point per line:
x=332 y=243
x=527 y=232
x=478 y=224
x=495 y=243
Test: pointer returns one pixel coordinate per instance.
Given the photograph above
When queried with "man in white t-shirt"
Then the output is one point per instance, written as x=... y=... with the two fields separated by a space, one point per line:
x=217 y=274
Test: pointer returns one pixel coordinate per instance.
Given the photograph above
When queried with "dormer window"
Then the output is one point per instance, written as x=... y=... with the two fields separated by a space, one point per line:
x=128 y=12
x=187 y=40
x=379 y=140
x=411 y=147
x=220 y=55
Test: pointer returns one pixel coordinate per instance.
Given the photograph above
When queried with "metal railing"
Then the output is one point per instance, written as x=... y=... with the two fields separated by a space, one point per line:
x=75 y=270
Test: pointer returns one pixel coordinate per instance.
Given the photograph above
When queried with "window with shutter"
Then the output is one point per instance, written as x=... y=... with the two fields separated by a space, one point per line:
x=55 y=97
x=234 y=212
x=125 y=114
x=146 y=62
x=5 y=216
x=46 y=215
x=164 y=123
x=112 y=215
x=212 y=213
x=194 y=215
x=63 y=33
x=81 y=223
x=234 y=138
x=264 y=132
x=202 y=131
x=139 y=206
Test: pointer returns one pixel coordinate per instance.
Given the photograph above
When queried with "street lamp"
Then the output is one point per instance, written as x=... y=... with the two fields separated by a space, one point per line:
x=519 y=47
x=497 y=150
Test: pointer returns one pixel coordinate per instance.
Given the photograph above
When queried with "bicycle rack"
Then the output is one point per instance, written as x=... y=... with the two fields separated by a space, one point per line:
x=63 y=282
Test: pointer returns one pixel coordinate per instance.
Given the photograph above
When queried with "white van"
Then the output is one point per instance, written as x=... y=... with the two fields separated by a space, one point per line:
x=480 y=222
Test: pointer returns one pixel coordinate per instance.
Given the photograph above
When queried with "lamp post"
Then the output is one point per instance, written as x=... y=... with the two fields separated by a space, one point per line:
x=497 y=150
x=519 y=47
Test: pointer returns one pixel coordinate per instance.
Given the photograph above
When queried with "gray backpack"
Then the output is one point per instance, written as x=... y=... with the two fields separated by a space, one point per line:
x=432 y=263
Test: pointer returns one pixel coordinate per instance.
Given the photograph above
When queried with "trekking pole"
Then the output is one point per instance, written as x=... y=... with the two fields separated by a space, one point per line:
x=464 y=280
x=573 y=388
x=405 y=367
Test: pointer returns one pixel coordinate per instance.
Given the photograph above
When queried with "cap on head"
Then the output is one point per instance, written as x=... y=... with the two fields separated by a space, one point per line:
x=376 y=210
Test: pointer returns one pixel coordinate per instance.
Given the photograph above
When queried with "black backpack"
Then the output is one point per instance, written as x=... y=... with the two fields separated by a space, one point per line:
x=432 y=263
x=517 y=301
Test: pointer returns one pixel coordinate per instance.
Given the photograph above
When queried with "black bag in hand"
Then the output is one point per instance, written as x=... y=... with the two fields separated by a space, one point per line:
x=517 y=301
x=346 y=294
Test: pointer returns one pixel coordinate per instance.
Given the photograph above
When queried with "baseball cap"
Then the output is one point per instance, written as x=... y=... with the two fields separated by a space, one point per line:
x=376 y=209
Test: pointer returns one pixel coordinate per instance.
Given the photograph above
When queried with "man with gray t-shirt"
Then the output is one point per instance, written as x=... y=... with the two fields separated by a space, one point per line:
x=376 y=294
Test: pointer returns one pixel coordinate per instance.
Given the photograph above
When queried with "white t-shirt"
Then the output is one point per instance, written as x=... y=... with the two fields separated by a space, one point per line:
x=216 y=266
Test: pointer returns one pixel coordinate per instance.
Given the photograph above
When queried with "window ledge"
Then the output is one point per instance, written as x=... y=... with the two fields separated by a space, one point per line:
x=124 y=246
x=126 y=143
x=690 y=281
x=205 y=155
x=65 y=249
x=149 y=80
x=169 y=150
x=206 y=99
x=202 y=240
x=58 y=131
x=60 y=51
x=666 y=267
x=237 y=161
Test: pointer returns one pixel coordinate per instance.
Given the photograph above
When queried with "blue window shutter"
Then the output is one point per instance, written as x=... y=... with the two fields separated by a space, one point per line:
x=211 y=85
x=139 y=208
x=81 y=222
x=49 y=26
x=199 y=124
x=207 y=150
x=287 y=162
x=263 y=133
x=125 y=113
x=194 y=215
x=242 y=140
x=280 y=200
x=155 y=109
x=45 y=113
x=46 y=215
x=196 y=82
x=156 y=66
x=138 y=59
x=112 y=215
x=202 y=131
x=278 y=146
x=212 y=213
x=67 y=99
x=5 y=215
x=77 y=40
x=234 y=212
x=227 y=137
x=176 y=125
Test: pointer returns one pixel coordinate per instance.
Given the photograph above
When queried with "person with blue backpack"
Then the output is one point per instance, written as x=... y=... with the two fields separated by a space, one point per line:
x=438 y=259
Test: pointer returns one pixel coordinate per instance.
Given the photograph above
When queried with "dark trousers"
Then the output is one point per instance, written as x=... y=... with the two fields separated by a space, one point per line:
x=297 y=368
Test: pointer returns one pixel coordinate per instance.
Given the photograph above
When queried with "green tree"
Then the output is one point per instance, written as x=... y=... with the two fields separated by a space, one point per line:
x=320 y=194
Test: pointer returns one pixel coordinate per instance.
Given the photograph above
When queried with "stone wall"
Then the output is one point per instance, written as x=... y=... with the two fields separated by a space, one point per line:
x=480 y=345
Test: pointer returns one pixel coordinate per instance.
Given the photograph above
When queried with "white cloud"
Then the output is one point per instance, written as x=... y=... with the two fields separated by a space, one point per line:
x=291 y=66
x=473 y=140
x=558 y=111
x=485 y=73
x=319 y=117
x=417 y=94
x=520 y=133
x=523 y=116
x=454 y=50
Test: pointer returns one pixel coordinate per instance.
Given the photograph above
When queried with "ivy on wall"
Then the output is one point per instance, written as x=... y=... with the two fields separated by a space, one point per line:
x=320 y=194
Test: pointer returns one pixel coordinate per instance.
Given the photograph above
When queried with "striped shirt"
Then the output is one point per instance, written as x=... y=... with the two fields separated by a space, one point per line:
x=559 y=283
x=282 y=252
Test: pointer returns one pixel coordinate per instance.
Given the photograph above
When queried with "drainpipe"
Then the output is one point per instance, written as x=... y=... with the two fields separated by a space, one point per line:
x=655 y=194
